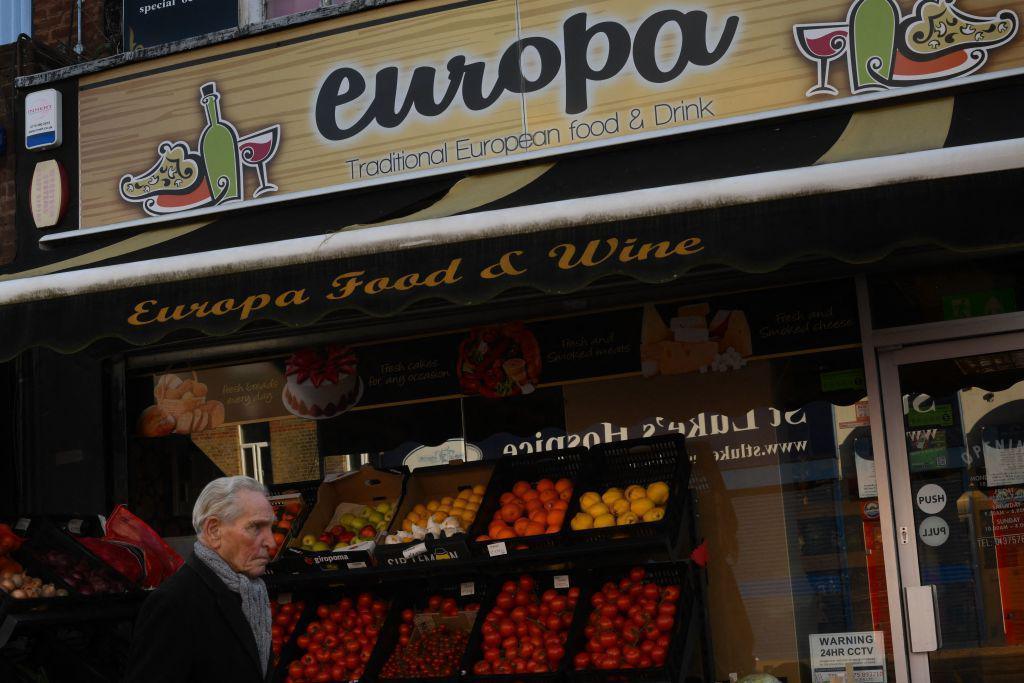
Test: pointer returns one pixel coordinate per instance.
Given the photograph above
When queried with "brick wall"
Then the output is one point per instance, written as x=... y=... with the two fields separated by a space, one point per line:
x=53 y=25
x=294 y=450
x=7 y=234
x=222 y=448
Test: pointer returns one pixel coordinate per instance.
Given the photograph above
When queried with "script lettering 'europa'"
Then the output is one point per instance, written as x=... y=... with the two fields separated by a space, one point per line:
x=388 y=108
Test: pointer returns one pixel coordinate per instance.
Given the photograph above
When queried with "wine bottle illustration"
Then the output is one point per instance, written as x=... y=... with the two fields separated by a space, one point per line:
x=218 y=145
x=872 y=43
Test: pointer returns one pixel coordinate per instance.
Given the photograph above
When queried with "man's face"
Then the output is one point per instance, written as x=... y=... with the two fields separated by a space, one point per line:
x=247 y=543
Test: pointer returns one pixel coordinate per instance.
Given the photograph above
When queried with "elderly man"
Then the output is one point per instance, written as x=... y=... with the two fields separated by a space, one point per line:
x=211 y=620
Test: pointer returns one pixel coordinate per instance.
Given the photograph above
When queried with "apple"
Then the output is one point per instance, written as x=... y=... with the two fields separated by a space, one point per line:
x=337 y=531
x=308 y=540
x=346 y=536
x=368 y=532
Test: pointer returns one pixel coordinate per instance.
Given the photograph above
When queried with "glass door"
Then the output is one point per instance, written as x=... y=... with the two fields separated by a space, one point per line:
x=954 y=420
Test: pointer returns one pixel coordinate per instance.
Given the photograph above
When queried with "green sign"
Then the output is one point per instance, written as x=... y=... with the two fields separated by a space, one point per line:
x=941 y=416
x=839 y=380
x=973 y=304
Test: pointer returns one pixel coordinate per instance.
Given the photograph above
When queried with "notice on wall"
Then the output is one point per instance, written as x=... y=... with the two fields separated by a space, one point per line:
x=832 y=654
x=1003 y=450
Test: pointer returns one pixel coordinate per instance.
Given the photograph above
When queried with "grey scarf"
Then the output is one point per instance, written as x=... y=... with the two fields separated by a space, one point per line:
x=255 y=600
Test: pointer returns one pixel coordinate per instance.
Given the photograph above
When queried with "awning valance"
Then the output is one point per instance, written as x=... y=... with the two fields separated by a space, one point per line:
x=961 y=198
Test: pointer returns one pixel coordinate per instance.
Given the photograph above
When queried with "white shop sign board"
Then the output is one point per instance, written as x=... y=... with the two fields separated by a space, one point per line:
x=864 y=650
x=43 y=113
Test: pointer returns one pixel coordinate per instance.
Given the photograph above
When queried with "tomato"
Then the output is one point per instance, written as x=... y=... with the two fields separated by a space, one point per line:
x=311 y=671
x=581 y=661
x=670 y=593
x=338 y=673
x=631 y=655
x=509 y=587
x=296 y=670
x=505 y=601
x=526 y=583
x=651 y=591
x=482 y=668
x=303 y=642
x=637 y=574
x=664 y=623
x=658 y=655
x=323 y=677
x=607 y=639
x=322 y=611
x=555 y=654
x=434 y=603
x=282 y=619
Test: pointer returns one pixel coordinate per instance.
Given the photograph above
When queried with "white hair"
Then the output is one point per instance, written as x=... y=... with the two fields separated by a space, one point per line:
x=219 y=499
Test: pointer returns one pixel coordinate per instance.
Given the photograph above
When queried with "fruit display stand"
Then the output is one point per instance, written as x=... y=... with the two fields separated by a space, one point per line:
x=637 y=465
x=550 y=478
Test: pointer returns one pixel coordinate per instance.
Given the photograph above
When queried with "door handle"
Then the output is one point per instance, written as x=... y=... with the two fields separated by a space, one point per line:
x=923 y=618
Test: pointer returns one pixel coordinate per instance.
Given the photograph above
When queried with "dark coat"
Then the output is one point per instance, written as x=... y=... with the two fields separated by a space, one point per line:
x=192 y=628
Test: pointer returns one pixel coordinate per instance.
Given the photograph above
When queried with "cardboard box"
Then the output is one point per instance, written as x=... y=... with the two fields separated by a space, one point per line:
x=433 y=483
x=360 y=488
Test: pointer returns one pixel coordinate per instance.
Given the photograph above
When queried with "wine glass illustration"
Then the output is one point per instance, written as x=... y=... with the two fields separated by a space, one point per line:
x=822 y=43
x=256 y=150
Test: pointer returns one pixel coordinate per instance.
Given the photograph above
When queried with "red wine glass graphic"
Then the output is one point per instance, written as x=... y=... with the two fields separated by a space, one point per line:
x=822 y=43
x=256 y=151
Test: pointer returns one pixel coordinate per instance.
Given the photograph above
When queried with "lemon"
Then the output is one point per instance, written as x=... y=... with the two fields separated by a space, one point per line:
x=620 y=506
x=459 y=504
x=588 y=499
x=654 y=515
x=658 y=492
x=440 y=516
x=627 y=518
x=611 y=495
x=433 y=505
x=604 y=520
x=597 y=509
x=447 y=500
x=464 y=494
x=479 y=490
x=641 y=506
x=634 y=492
x=420 y=509
x=581 y=521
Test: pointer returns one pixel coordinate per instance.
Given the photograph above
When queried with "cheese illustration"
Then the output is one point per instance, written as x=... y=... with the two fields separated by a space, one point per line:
x=731 y=330
x=678 y=358
x=653 y=327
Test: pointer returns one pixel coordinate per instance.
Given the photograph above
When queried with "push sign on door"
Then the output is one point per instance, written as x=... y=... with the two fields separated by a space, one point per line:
x=43 y=128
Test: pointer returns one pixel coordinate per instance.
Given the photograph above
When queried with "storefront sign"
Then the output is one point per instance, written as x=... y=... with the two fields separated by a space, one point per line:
x=833 y=654
x=933 y=531
x=512 y=81
x=147 y=23
x=931 y=499
x=43 y=122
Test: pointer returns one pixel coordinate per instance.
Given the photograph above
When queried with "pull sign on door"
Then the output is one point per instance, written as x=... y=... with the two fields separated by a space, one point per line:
x=43 y=128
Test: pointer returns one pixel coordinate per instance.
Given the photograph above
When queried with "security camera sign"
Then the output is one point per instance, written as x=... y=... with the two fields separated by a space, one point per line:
x=834 y=655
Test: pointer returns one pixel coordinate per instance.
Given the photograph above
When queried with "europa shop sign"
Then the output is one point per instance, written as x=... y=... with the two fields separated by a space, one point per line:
x=147 y=23
x=474 y=84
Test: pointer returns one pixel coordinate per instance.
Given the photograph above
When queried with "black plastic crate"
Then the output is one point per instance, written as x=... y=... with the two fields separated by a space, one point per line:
x=312 y=599
x=466 y=591
x=47 y=543
x=562 y=581
x=12 y=605
x=682 y=639
x=637 y=462
x=569 y=464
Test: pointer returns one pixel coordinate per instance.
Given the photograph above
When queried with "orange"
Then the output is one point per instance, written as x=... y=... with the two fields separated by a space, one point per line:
x=506 y=498
x=545 y=485
x=520 y=526
x=560 y=505
x=511 y=512
x=505 y=533
x=534 y=528
x=555 y=518
x=563 y=484
x=529 y=495
x=520 y=488
x=534 y=504
x=482 y=538
x=553 y=530
x=565 y=494
x=539 y=516
x=495 y=528
x=548 y=495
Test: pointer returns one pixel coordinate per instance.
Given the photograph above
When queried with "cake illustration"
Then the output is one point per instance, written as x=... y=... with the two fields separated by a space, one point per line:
x=321 y=383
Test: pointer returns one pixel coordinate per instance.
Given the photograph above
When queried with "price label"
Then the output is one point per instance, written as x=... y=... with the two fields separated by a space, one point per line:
x=467 y=588
x=75 y=526
x=22 y=524
x=357 y=565
x=497 y=549
x=284 y=598
x=413 y=551
x=562 y=581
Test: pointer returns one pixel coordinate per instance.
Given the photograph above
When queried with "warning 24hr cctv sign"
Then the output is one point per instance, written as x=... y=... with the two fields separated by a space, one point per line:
x=863 y=651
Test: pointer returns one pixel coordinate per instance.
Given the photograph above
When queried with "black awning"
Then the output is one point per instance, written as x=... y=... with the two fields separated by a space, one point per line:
x=962 y=214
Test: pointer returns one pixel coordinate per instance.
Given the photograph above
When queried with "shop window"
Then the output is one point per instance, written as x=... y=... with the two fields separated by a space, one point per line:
x=767 y=387
x=15 y=19
x=973 y=288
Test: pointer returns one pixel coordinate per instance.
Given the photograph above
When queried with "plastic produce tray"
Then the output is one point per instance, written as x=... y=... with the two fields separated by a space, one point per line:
x=561 y=581
x=682 y=639
x=415 y=597
x=641 y=462
x=569 y=463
